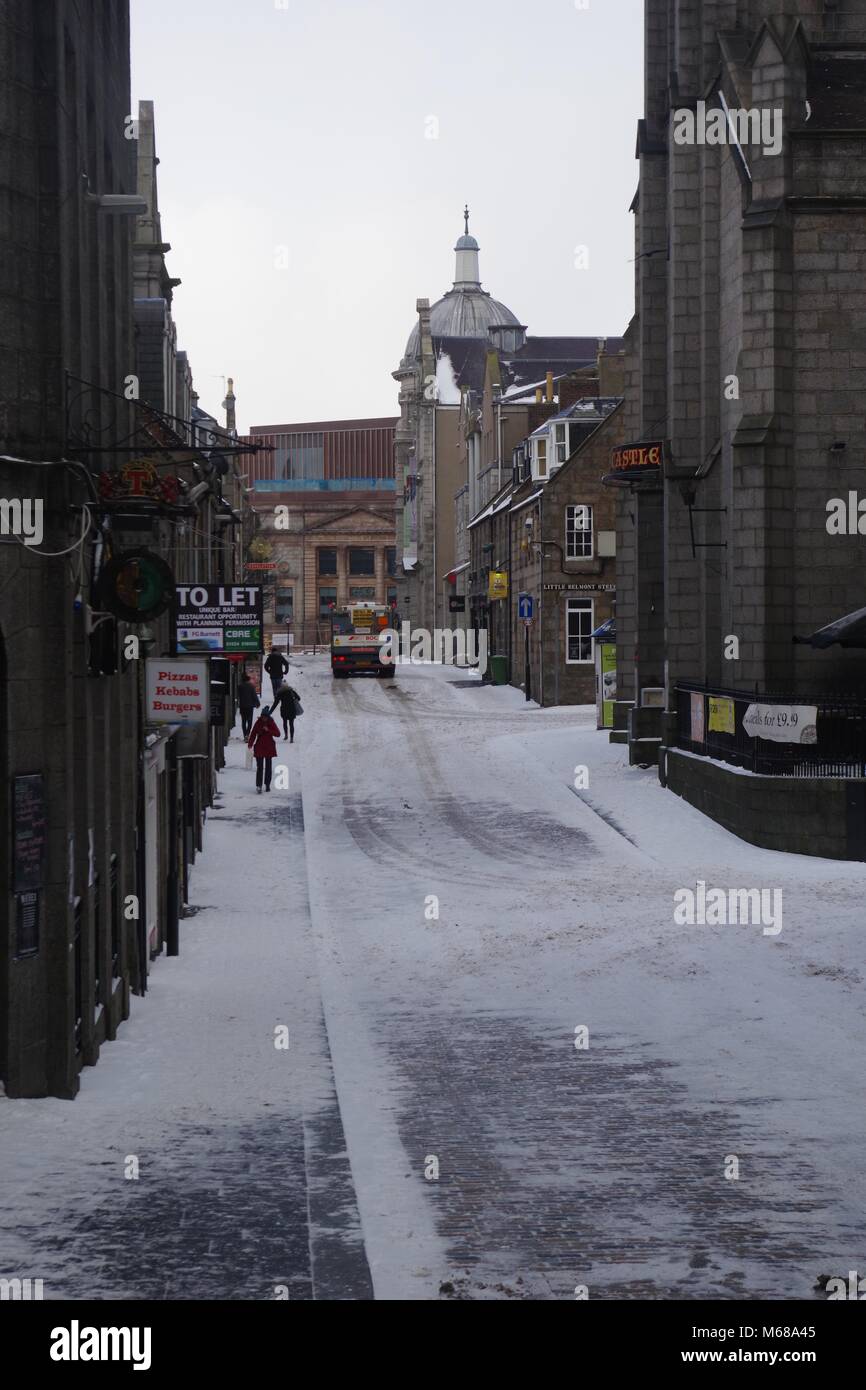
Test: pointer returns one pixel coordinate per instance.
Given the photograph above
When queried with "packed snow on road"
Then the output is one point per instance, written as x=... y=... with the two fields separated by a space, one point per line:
x=438 y=1030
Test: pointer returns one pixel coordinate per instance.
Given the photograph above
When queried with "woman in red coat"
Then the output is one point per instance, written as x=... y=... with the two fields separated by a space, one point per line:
x=261 y=740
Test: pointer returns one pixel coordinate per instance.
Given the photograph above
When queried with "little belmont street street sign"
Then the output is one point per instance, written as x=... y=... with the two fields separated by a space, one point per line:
x=593 y=588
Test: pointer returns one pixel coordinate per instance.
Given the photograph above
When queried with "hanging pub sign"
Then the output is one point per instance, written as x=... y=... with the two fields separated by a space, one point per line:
x=638 y=460
x=138 y=480
x=137 y=586
x=223 y=619
x=497 y=584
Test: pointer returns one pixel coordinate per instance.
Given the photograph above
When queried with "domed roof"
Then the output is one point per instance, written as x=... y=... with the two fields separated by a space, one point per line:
x=463 y=313
x=466 y=311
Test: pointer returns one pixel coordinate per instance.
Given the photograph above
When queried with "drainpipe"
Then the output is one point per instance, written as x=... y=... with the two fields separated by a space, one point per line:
x=510 y=600
x=540 y=606
x=499 y=437
x=435 y=529
x=172 y=932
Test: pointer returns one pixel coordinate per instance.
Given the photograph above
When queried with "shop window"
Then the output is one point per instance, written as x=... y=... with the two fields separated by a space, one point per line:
x=284 y=608
x=578 y=533
x=360 y=595
x=327 y=601
x=580 y=625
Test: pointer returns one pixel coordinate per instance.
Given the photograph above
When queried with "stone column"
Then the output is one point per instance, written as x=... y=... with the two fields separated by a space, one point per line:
x=342 y=575
x=381 y=575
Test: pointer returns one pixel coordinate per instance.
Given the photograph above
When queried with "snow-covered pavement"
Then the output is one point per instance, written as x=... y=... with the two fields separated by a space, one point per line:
x=432 y=926
x=454 y=1038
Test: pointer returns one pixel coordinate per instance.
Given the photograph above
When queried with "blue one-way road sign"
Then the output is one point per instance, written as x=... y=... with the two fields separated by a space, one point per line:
x=525 y=605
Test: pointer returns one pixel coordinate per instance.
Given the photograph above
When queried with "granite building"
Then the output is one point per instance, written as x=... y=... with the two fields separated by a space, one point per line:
x=743 y=410
x=68 y=742
x=101 y=812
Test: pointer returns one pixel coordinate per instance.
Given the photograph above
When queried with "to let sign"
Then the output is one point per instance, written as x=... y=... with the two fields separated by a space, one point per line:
x=224 y=619
x=178 y=690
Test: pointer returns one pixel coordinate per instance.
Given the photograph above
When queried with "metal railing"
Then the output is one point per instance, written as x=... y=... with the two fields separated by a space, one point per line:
x=839 y=750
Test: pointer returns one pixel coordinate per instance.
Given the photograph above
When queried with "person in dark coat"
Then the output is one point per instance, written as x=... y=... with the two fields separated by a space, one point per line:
x=248 y=701
x=289 y=700
x=276 y=667
x=262 y=741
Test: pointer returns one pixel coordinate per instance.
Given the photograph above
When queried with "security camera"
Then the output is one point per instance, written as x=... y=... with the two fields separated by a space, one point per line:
x=528 y=523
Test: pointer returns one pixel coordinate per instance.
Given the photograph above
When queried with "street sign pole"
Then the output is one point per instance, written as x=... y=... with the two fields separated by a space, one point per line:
x=525 y=610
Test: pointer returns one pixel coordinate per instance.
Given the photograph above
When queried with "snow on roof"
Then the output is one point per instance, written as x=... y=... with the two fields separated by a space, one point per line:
x=447 y=390
x=527 y=500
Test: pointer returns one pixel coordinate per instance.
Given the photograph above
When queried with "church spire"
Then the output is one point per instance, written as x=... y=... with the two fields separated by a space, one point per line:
x=467 y=274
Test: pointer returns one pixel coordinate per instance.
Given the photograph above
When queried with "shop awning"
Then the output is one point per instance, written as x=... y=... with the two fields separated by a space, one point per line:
x=458 y=569
x=410 y=560
x=849 y=631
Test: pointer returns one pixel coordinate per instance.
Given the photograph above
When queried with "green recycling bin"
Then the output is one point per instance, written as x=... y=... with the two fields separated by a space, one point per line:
x=499 y=669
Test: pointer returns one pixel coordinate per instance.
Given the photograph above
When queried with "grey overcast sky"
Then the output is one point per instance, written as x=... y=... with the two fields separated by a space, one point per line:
x=315 y=157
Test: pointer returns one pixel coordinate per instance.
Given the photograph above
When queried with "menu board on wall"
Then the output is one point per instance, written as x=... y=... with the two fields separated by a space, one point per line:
x=28 y=833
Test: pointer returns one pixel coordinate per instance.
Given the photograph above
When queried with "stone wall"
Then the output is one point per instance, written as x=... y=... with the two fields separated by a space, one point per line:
x=817 y=816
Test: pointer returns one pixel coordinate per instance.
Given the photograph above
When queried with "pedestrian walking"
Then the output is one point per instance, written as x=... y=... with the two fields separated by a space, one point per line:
x=290 y=704
x=276 y=667
x=262 y=741
x=248 y=702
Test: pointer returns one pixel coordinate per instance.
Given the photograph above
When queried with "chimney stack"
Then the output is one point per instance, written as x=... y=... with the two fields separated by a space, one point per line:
x=229 y=407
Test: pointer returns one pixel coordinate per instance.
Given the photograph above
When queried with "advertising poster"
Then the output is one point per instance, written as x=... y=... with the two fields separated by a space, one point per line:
x=223 y=620
x=698 y=718
x=497 y=584
x=608 y=683
x=722 y=719
x=782 y=723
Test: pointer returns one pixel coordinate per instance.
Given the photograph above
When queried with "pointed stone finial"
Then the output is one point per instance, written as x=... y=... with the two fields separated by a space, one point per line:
x=466 y=219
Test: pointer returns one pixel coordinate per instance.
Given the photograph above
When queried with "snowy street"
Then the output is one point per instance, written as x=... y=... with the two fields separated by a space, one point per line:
x=432 y=910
